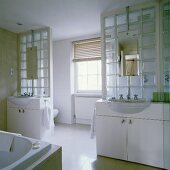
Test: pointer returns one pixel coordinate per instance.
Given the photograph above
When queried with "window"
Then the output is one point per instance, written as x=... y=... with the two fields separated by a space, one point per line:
x=87 y=58
x=40 y=40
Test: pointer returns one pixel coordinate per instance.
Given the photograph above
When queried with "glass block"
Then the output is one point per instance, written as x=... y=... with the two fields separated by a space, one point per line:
x=37 y=36
x=23 y=83
x=22 y=39
x=111 y=92
x=23 y=65
x=135 y=27
x=111 y=68
x=109 y=21
x=111 y=57
x=23 y=74
x=122 y=90
x=147 y=93
x=29 y=45
x=167 y=79
x=134 y=91
x=110 y=33
x=110 y=45
x=44 y=44
x=23 y=47
x=166 y=25
x=166 y=66
x=136 y=81
x=166 y=39
x=29 y=38
x=134 y=16
x=44 y=35
x=148 y=40
x=38 y=54
x=122 y=81
x=23 y=90
x=149 y=53
x=44 y=54
x=148 y=14
x=23 y=56
x=121 y=28
x=43 y=73
x=166 y=52
x=35 y=92
x=44 y=63
x=38 y=45
x=148 y=27
x=111 y=81
x=149 y=80
x=121 y=19
x=149 y=67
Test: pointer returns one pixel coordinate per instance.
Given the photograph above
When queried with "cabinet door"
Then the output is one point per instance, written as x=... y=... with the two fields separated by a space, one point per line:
x=14 y=120
x=111 y=134
x=145 y=142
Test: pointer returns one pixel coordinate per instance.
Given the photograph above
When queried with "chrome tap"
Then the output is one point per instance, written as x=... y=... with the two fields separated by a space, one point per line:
x=121 y=96
x=128 y=96
x=135 y=97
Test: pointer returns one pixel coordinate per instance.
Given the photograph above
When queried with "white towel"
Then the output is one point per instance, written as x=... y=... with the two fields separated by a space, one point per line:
x=6 y=140
x=92 y=129
x=47 y=118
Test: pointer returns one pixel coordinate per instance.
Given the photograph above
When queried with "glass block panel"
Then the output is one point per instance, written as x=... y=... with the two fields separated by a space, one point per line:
x=111 y=92
x=166 y=52
x=44 y=44
x=122 y=81
x=38 y=45
x=136 y=90
x=23 y=90
x=136 y=81
x=44 y=54
x=109 y=33
x=148 y=14
x=23 y=56
x=122 y=90
x=37 y=36
x=29 y=45
x=111 y=68
x=111 y=57
x=149 y=80
x=135 y=27
x=29 y=38
x=121 y=28
x=148 y=40
x=23 y=83
x=109 y=21
x=149 y=67
x=167 y=79
x=134 y=16
x=110 y=45
x=23 y=74
x=44 y=35
x=111 y=81
x=148 y=27
x=42 y=72
x=23 y=65
x=149 y=53
x=121 y=19
x=22 y=39
x=23 y=47
x=44 y=63
x=166 y=39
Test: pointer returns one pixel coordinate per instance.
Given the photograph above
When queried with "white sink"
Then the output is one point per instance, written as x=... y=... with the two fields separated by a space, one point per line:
x=128 y=106
x=21 y=100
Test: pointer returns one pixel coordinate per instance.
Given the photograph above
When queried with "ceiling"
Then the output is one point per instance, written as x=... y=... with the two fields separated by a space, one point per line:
x=67 y=18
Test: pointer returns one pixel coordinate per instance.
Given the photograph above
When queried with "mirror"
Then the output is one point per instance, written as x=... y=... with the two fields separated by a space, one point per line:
x=128 y=53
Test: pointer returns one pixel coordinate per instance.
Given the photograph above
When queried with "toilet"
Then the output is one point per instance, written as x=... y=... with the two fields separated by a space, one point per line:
x=55 y=113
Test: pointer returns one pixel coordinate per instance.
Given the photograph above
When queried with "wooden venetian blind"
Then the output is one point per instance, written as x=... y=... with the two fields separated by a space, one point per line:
x=87 y=50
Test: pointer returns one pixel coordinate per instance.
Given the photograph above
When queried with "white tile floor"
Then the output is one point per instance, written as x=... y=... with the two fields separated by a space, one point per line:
x=79 y=150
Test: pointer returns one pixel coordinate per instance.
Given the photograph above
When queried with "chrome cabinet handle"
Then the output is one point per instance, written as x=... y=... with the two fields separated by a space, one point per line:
x=19 y=111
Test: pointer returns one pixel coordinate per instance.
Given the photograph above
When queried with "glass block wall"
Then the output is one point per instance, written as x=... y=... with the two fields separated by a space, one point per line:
x=142 y=23
x=40 y=39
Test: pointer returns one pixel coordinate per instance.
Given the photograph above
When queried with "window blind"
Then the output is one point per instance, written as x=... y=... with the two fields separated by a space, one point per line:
x=87 y=50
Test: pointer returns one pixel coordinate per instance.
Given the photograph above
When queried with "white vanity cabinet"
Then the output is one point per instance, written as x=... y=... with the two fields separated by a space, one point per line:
x=26 y=118
x=136 y=137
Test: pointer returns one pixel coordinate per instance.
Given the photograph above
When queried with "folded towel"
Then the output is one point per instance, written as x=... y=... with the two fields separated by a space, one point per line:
x=6 y=140
x=47 y=118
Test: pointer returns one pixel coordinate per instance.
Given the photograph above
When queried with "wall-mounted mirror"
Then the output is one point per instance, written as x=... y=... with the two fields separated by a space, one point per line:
x=128 y=53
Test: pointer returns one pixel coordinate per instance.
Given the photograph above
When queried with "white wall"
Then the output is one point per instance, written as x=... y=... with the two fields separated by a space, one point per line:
x=63 y=76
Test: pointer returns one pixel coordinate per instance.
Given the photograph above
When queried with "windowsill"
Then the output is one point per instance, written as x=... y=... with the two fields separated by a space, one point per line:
x=97 y=95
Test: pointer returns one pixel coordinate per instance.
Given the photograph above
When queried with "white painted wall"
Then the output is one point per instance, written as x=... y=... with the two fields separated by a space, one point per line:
x=63 y=76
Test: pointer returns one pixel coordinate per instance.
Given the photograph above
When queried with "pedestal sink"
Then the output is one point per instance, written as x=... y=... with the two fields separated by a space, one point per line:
x=21 y=100
x=128 y=106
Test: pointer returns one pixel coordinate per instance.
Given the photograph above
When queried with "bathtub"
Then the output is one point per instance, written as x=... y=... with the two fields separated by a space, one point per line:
x=23 y=153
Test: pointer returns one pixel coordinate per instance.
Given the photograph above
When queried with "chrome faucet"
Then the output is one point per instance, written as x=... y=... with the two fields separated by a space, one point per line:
x=121 y=96
x=135 y=97
x=128 y=96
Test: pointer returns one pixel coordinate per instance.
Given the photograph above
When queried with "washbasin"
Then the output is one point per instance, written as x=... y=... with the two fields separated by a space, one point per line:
x=21 y=100
x=128 y=106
